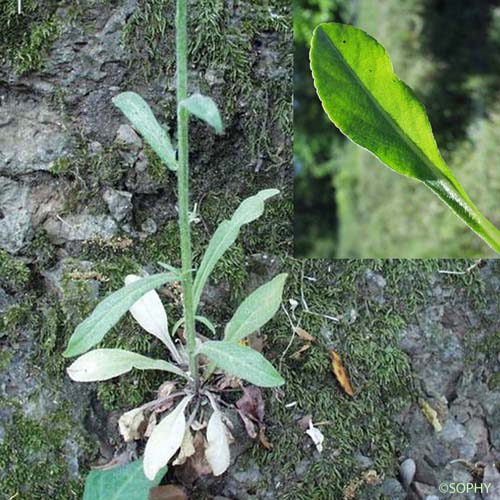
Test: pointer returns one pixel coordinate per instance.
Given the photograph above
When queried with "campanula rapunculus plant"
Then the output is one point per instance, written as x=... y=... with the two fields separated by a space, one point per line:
x=362 y=96
x=195 y=360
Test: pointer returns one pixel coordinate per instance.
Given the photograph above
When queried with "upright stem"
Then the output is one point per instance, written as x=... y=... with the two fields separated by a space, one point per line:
x=183 y=182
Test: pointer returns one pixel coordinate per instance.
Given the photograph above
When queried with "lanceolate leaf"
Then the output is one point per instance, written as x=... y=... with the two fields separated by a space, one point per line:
x=108 y=312
x=127 y=481
x=242 y=362
x=226 y=234
x=165 y=440
x=205 y=109
x=136 y=109
x=361 y=94
x=103 y=364
x=256 y=310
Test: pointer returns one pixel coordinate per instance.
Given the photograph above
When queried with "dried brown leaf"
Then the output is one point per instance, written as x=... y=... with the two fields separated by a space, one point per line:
x=167 y=492
x=226 y=381
x=196 y=465
x=151 y=425
x=256 y=341
x=250 y=426
x=166 y=389
x=302 y=334
x=340 y=373
x=252 y=404
x=187 y=449
x=298 y=354
x=265 y=443
x=132 y=424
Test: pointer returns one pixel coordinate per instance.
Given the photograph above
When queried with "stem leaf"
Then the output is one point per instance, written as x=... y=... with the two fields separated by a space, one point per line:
x=225 y=235
x=138 y=112
x=205 y=109
x=256 y=310
x=362 y=96
x=108 y=312
x=243 y=362
x=103 y=364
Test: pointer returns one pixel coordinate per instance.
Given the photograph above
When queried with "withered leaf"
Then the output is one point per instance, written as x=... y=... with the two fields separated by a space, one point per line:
x=316 y=435
x=298 y=354
x=256 y=341
x=226 y=381
x=249 y=424
x=217 y=451
x=166 y=389
x=196 y=465
x=151 y=425
x=251 y=410
x=340 y=373
x=187 y=449
x=132 y=424
x=167 y=492
x=252 y=403
x=301 y=333
x=265 y=443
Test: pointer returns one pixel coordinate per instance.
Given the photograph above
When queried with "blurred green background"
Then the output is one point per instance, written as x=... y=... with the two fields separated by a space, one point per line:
x=346 y=203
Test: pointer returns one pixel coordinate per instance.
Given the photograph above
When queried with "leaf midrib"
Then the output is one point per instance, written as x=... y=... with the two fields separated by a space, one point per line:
x=388 y=118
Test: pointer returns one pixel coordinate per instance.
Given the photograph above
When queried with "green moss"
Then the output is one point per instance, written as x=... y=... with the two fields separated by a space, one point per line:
x=15 y=316
x=86 y=173
x=14 y=273
x=27 y=37
x=39 y=468
x=494 y=382
x=41 y=251
x=61 y=166
x=5 y=359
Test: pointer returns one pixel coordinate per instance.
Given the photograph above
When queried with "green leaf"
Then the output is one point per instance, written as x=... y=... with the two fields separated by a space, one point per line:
x=127 y=481
x=356 y=84
x=107 y=313
x=205 y=109
x=242 y=362
x=225 y=235
x=256 y=310
x=136 y=109
x=103 y=364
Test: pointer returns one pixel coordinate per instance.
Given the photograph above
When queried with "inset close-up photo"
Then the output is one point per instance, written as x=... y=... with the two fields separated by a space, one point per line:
x=396 y=111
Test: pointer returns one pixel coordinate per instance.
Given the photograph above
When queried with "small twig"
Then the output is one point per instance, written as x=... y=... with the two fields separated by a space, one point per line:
x=304 y=303
x=64 y=222
x=287 y=348
x=467 y=271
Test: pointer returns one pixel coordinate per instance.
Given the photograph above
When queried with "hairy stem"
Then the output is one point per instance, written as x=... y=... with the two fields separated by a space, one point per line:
x=183 y=182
